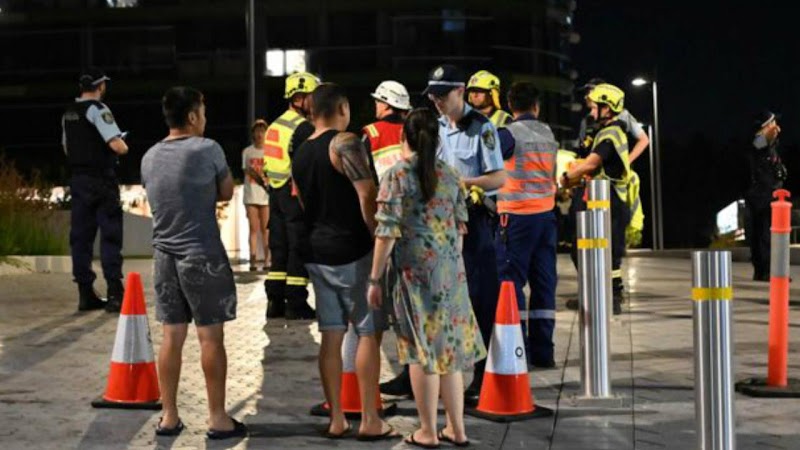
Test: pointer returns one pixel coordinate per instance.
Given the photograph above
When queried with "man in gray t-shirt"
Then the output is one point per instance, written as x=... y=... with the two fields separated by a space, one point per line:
x=181 y=177
x=184 y=176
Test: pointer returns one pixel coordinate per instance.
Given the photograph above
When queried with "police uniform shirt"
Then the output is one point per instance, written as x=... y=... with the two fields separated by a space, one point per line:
x=99 y=116
x=472 y=148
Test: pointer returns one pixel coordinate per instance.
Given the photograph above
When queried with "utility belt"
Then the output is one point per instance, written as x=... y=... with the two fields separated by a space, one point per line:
x=477 y=200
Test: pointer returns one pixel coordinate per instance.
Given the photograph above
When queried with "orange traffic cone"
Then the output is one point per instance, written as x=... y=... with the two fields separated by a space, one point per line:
x=132 y=379
x=505 y=392
x=349 y=395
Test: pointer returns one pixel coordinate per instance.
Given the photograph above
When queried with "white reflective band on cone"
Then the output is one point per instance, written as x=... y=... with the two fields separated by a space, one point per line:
x=132 y=344
x=507 y=351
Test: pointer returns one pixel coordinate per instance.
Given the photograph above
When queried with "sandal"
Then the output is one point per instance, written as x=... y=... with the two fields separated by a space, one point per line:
x=445 y=438
x=239 y=430
x=347 y=429
x=411 y=441
x=388 y=434
x=174 y=431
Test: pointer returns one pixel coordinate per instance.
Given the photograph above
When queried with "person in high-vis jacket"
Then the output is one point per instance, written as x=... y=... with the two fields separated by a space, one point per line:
x=483 y=90
x=633 y=232
x=608 y=160
x=93 y=142
x=528 y=234
x=287 y=280
x=382 y=138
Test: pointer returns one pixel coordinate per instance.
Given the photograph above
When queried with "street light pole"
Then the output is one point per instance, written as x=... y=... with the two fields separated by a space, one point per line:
x=657 y=156
x=653 y=202
x=655 y=171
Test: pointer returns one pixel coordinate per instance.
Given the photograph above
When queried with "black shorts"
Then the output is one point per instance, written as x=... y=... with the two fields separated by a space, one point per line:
x=198 y=287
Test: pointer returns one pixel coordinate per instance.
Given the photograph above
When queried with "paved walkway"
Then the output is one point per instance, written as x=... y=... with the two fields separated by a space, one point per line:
x=54 y=362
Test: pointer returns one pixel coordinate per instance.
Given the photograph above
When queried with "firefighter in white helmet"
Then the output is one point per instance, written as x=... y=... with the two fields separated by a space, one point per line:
x=382 y=137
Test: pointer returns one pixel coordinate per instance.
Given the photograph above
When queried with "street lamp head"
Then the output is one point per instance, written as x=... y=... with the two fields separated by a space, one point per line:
x=639 y=82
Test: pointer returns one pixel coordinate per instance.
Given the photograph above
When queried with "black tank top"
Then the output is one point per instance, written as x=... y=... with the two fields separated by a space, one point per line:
x=338 y=234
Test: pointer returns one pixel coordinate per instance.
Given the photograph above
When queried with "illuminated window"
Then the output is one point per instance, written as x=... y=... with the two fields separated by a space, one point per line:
x=122 y=3
x=281 y=62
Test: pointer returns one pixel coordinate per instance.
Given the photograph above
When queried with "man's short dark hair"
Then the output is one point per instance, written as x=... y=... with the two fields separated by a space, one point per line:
x=523 y=96
x=178 y=102
x=326 y=100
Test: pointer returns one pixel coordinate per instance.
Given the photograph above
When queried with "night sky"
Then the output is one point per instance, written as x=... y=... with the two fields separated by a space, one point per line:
x=717 y=62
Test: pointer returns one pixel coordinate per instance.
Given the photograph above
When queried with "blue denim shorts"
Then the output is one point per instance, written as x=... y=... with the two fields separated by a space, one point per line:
x=341 y=297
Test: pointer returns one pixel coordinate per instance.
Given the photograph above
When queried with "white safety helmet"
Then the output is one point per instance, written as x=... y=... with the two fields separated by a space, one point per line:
x=394 y=94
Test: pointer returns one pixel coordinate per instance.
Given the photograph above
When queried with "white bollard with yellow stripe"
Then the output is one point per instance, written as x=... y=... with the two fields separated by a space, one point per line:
x=712 y=293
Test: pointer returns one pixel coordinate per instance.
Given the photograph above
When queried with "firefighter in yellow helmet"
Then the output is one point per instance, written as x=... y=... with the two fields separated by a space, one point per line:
x=287 y=279
x=608 y=159
x=483 y=90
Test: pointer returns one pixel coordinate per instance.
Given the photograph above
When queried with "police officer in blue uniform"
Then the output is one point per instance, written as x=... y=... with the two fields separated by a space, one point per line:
x=92 y=141
x=471 y=145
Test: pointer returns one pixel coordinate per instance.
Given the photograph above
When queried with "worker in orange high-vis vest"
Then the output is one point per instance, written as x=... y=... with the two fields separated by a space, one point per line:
x=382 y=138
x=287 y=279
x=528 y=233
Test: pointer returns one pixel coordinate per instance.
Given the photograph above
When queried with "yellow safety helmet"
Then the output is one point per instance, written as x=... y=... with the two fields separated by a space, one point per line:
x=300 y=83
x=608 y=94
x=483 y=79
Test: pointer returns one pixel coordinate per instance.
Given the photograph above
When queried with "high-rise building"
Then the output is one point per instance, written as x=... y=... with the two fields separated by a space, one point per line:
x=149 y=45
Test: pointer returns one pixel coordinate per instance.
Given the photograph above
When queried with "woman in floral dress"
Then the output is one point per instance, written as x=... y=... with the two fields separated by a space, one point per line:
x=422 y=215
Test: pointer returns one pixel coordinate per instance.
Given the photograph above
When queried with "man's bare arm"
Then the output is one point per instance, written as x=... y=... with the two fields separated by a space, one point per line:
x=349 y=157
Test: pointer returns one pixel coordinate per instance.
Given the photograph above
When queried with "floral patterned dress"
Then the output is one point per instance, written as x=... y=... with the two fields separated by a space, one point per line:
x=435 y=324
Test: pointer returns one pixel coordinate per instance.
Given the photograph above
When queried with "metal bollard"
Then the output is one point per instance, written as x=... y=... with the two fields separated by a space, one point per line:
x=598 y=198
x=712 y=293
x=777 y=384
x=594 y=293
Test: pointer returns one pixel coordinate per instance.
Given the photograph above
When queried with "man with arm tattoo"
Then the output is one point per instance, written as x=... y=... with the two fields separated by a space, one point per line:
x=332 y=174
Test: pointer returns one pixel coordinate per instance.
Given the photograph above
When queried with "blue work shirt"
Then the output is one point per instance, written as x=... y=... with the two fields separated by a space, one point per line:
x=472 y=147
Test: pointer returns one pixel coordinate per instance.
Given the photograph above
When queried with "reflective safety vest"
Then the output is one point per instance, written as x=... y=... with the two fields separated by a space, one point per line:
x=633 y=232
x=384 y=142
x=277 y=151
x=618 y=138
x=500 y=118
x=530 y=187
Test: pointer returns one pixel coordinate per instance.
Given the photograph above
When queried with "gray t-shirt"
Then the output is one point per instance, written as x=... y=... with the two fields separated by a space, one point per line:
x=181 y=177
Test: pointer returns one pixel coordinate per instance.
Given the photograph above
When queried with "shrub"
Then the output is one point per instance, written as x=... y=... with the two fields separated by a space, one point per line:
x=25 y=213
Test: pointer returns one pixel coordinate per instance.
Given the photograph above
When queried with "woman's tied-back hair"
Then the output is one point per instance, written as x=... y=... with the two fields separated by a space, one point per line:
x=421 y=132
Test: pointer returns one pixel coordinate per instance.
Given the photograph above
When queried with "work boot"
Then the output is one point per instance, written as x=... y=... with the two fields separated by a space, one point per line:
x=88 y=299
x=761 y=276
x=114 y=297
x=276 y=308
x=300 y=312
x=572 y=304
x=399 y=386
x=617 y=301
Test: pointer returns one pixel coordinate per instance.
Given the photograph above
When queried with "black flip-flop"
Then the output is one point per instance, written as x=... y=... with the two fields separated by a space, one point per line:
x=239 y=430
x=411 y=441
x=389 y=434
x=174 y=431
x=327 y=433
x=445 y=438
